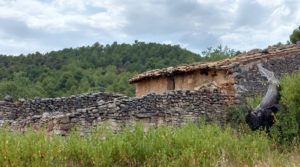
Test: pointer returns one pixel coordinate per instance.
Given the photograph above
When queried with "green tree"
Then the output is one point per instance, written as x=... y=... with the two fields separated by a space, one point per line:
x=295 y=36
x=219 y=53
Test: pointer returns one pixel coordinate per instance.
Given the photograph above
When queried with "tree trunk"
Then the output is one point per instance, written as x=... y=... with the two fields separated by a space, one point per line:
x=262 y=115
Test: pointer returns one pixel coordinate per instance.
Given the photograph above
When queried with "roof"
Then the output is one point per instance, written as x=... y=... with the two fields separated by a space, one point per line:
x=244 y=58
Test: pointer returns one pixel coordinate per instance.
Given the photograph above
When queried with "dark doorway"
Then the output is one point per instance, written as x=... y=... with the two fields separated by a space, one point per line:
x=171 y=83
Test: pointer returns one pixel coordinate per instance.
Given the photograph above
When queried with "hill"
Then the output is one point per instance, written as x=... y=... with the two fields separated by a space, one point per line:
x=83 y=69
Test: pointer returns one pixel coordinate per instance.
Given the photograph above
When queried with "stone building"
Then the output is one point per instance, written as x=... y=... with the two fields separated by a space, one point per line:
x=230 y=75
x=185 y=77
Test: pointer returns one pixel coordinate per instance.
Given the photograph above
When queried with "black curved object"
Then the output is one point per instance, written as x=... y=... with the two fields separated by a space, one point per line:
x=262 y=115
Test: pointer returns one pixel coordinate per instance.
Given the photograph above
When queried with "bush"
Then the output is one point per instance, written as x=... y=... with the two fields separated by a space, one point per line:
x=286 y=128
x=295 y=36
x=235 y=115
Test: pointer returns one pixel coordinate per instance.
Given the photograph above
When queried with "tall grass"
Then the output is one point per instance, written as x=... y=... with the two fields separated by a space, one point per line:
x=190 y=145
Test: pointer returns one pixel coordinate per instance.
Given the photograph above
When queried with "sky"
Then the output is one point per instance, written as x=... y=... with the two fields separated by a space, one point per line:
x=28 y=26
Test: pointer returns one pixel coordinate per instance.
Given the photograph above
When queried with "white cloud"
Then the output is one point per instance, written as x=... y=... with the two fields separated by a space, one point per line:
x=60 y=15
x=270 y=4
x=30 y=25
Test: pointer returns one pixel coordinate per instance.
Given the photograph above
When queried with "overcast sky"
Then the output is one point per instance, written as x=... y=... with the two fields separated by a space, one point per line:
x=43 y=25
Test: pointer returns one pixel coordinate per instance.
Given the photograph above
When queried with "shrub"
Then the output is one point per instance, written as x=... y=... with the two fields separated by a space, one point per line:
x=286 y=128
x=295 y=36
x=235 y=115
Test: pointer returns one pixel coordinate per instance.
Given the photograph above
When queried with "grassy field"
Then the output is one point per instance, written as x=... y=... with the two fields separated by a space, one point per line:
x=207 y=145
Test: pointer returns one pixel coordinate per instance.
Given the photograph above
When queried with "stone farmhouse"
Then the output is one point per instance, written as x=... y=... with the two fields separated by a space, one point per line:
x=235 y=75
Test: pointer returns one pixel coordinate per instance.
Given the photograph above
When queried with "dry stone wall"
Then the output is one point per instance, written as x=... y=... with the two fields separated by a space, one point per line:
x=251 y=81
x=22 y=108
x=173 y=108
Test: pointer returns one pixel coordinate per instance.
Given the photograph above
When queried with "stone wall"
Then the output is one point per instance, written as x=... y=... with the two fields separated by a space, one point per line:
x=251 y=81
x=173 y=108
x=61 y=104
x=20 y=109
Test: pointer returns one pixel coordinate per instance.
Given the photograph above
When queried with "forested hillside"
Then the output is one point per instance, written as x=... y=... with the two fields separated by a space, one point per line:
x=91 y=68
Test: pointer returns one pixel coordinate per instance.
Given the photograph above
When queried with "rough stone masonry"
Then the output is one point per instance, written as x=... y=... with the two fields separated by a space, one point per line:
x=61 y=115
x=174 y=108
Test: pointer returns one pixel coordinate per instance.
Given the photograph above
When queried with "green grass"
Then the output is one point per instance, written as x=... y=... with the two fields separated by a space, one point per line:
x=207 y=145
x=253 y=102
